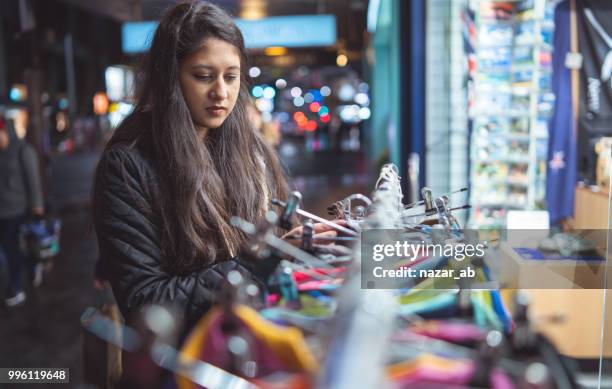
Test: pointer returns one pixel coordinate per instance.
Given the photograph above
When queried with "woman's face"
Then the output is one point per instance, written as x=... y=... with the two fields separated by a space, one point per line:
x=210 y=82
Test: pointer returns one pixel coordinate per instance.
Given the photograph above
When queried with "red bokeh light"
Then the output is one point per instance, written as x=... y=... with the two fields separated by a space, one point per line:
x=311 y=126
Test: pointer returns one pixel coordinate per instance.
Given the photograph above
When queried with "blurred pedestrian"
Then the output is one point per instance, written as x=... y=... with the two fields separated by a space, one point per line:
x=20 y=196
x=269 y=130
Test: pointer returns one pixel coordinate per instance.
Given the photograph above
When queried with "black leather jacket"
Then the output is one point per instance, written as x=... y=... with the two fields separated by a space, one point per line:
x=126 y=220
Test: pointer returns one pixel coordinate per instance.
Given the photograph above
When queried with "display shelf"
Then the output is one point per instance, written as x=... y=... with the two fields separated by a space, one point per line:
x=519 y=114
x=518 y=183
x=510 y=99
x=508 y=160
x=518 y=138
x=540 y=44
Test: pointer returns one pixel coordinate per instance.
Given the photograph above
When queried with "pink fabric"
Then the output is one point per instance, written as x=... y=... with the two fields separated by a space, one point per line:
x=215 y=349
x=451 y=332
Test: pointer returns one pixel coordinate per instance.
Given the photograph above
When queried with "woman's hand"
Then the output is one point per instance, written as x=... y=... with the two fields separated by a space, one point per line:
x=38 y=211
x=320 y=230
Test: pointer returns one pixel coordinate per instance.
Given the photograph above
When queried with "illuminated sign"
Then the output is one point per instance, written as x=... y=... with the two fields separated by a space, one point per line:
x=283 y=31
x=289 y=31
x=119 y=83
x=136 y=37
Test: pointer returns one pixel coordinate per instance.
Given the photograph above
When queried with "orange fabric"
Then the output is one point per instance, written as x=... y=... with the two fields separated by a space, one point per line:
x=404 y=368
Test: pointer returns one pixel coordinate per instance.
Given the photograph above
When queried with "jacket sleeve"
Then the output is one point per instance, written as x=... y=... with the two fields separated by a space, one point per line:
x=128 y=241
x=29 y=161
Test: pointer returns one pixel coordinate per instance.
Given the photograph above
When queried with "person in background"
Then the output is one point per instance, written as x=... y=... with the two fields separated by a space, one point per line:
x=255 y=118
x=270 y=131
x=20 y=196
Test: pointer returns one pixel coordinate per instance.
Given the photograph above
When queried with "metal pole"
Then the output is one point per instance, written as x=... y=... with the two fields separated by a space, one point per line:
x=70 y=77
x=3 y=83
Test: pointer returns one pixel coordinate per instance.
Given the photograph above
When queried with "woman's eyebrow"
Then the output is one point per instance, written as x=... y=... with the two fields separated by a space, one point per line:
x=208 y=67
x=201 y=66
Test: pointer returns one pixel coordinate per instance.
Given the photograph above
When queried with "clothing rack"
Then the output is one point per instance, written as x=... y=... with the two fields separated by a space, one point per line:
x=318 y=326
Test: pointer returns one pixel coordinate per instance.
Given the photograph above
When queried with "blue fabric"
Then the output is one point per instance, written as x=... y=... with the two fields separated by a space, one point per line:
x=498 y=304
x=498 y=307
x=538 y=255
x=561 y=167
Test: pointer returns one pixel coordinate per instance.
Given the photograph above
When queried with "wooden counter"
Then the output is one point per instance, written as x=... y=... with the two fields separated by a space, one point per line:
x=578 y=332
x=590 y=209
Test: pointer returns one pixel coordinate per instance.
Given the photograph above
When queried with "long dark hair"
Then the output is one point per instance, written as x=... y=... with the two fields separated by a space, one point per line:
x=202 y=184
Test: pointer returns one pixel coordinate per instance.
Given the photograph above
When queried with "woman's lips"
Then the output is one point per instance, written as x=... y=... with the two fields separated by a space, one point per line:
x=216 y=111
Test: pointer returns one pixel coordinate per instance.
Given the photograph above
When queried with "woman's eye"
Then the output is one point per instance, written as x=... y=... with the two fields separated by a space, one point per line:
x=231 y=77
x=203 y=77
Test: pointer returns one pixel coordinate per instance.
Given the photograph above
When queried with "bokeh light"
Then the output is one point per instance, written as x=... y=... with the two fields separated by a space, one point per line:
x=269 y=92
x=364 y=113
x=311 y=126
x=254 y=72
x=298 y=101
x=281 y=83
x=296 y=91
x=362 y=99
x=314 y=107
x=257 y=91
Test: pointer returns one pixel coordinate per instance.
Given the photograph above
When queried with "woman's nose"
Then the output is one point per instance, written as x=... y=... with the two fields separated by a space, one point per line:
x=219 y=91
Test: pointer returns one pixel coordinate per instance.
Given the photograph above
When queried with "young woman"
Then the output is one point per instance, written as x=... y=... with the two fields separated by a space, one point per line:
x=180 y=166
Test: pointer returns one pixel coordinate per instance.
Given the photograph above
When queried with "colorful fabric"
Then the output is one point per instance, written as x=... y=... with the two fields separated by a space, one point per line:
x=313 y=309
x=456 y=332
x=273 y=348
x=428 y=371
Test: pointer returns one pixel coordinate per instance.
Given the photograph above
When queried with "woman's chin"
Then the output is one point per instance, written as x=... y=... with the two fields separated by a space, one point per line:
x=214 y=123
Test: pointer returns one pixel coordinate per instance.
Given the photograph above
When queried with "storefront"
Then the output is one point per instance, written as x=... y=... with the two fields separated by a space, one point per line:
x=515 y=126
